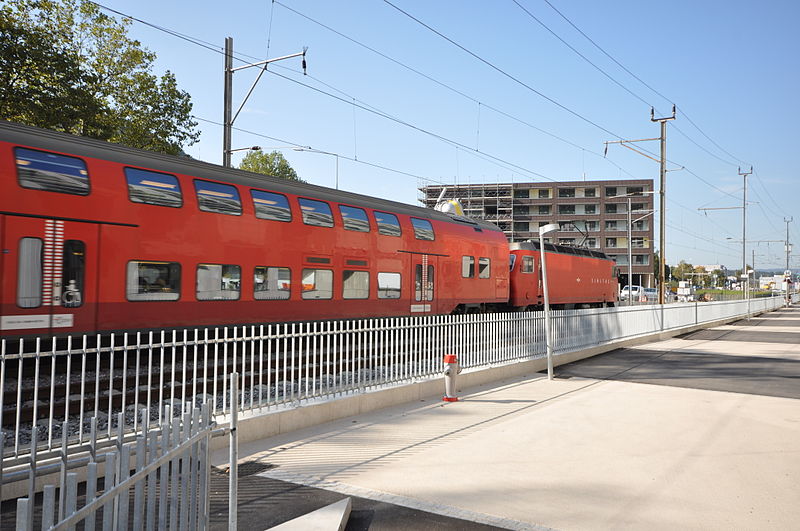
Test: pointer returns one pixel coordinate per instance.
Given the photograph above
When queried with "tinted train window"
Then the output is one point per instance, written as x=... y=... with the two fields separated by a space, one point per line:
x=484 y=267
x=355 y=285
x=153 y=281
x=29 y=273
x=217 y=282
x=527 y=264
x=317 y=213
x=388 y=224
x=153 y=188
x=51 y=172
x=218 y=198
x=467 y=266
x=389 y=285
x=272 y=283
x=72 y=274
x=512 y=261
x=423 y=230
x=426 y=283
x=317 y=284
x=269 y=205
x=354 y=218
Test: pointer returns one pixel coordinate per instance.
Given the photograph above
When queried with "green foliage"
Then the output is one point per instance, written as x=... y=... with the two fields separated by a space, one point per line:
x=273 y=164
x=67 y=66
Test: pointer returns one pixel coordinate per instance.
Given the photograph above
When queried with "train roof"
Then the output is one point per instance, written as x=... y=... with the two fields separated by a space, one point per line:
x=89 y=147
x=532 y=245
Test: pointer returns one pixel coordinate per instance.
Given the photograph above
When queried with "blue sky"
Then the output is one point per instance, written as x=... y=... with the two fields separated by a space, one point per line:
x=730 y=66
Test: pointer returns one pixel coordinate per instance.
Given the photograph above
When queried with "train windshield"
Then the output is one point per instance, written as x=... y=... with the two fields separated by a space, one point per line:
x=512 y=261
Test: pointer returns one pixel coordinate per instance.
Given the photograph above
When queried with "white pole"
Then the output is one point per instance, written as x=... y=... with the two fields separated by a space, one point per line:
x=547 y=332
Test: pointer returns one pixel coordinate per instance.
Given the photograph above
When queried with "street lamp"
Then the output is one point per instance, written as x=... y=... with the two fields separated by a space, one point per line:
x=551 y=227
x=630 y=245
x=312 y=150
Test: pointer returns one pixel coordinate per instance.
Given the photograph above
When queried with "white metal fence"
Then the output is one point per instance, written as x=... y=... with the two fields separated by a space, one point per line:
x=58 y=385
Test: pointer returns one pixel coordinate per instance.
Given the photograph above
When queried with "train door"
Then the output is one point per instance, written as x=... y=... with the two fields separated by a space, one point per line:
x=49 y=279
x=424 y=274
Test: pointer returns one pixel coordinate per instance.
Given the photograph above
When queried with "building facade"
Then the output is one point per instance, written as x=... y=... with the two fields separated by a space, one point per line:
x=592 y=214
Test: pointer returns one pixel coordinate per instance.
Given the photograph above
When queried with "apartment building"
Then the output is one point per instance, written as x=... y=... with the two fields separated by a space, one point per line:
x=592 y=214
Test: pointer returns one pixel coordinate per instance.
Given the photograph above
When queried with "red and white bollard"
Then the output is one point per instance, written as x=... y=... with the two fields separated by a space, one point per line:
x=451 y=369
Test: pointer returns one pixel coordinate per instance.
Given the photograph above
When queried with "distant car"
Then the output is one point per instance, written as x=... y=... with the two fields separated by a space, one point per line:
x=651 y=294
x=635 y=292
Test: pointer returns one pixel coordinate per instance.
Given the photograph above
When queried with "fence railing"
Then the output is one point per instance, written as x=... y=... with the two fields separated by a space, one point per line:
x=56 y=385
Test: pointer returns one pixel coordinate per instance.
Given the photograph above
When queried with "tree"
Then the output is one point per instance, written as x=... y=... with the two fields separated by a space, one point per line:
x=274 y=164
x=67 y=66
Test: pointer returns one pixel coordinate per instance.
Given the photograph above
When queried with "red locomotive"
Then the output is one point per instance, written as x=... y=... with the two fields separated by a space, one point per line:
x=99 y=237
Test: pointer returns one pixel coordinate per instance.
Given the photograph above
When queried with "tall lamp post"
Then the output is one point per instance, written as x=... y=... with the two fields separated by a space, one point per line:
x=312 y=150
x=547 y=333
x=630 y=246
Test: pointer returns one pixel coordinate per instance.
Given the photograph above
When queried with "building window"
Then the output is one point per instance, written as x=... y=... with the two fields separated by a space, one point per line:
x=269 y=205
x=612 y=226
x=217 y=282
x=544 y=193
x=354 y=218
x=544 y=210
x=589 y=192
x=611 y=191
x=637 y=243
x=317 y=284
x=389 y=285
x=521 y=211
x=611 y=208
x=29 y=273
x=153 y=281
x=566 y=209
x=521 y=226
x=611 y=243
x=637 y=207
x=620 y=259
x=388 y=224
x=316 y=213
x=153 y=188
x=592 y=226
x=522 y=194
x=641 y=259
x=591 y=243
x=590 y=209
x=635 y=190
x=467 y=266
x=51 y=172
x=355 y=285
x=641 y=225
x=218 y=198
x=527 y=264
x=272 y=283
x=566 y=192
x=484 y=267
x=566 y=241
x=423 y=230
x=566 y=226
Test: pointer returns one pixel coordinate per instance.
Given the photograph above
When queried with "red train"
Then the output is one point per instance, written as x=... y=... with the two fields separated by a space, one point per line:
x=99 y=237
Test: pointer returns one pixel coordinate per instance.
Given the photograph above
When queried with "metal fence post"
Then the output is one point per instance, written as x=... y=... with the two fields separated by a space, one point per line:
x=233 y=476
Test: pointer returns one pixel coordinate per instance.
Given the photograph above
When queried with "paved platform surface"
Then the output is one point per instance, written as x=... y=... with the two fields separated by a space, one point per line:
x=696 y=432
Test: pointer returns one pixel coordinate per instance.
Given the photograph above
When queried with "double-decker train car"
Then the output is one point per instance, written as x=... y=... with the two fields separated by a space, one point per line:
x=100 y=237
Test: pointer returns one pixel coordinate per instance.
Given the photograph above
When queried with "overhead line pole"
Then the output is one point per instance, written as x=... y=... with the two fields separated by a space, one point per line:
x=788 y=247
x=662 y=262
x=744 y=220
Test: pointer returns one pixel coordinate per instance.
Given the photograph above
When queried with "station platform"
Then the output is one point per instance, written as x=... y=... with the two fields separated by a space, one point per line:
x=700 y=431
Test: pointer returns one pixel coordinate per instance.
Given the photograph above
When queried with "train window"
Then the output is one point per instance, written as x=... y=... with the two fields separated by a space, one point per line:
x=317 y=284
x=218 y=198
x=512 y=261
x=217 y=282
x=484 y=267
x=317 y=213
x=425 y=280
x=467 y=266
x=389 y=285
x=355 y=285
x=72 y=273
x=388 y=224
x=272 y=283
x=527 y=264
x=29 y=273
x=153 y=188
x=423 y=230
x=153 y=281
x=51 y=172
x=269 y=205
x=354 y=218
